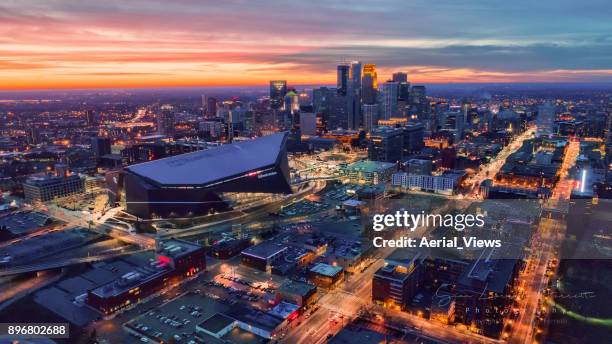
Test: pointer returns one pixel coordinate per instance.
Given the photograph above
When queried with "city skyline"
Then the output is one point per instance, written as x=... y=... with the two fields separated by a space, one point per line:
x=54 y=45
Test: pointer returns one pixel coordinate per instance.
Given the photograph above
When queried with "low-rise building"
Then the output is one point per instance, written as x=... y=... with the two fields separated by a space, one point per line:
x=369 y=172
x=298 y=293
x=263 y=255
x=177 y=259
x=326 y=276
x=446 y=183
x=397 y=282
x=47 y=188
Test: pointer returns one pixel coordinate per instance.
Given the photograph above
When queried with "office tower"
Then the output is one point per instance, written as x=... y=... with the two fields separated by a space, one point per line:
x=100 y=146
x=400 y=77
x=413 y=138
x=388 y=99
x=291 y=102
x=355 y=76
x=308 y=123
x=278 y=90
x=369 y=84
x=386 y=144
x=332 y=106
x=545 y=119
x=204 y=104
x=212 y=129
x=33 y=137
x=403 y=92
x=229 y=123
x=166 y=120
x=370 y=116
x=91 y=118
x=211 y=107
x=342 y=79
x=460 y=121
x=305 y=97
x=354 y=96
x=418 y=100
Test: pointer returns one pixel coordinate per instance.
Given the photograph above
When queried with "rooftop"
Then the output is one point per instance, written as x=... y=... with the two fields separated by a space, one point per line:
x=256 y=318
x=175 y=248
x=265 y=250
x=23 y=222
x=370 y=166
x=492 y=273
x=216 y=323
x=213 y=164
x=131 y=279
x=50 y=180
x=296 y=288
x=326 y=269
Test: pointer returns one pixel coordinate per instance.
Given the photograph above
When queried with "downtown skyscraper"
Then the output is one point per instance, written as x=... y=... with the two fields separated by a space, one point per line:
x=354 y=96
x=278 y=90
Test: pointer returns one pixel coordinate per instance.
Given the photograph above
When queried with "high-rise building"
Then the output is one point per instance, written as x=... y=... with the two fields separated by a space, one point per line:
x=166 y=120
x=403 y=91
x=413 y=138
x=418 y=100
x=386 y=144
x=343 y=79
x=609 y=134
x=545 y=119
x=400 y=77
x=212 y=129
x=369 y=84
x=33 y=137
x=332 y=106
x=91 y=118
x=100 y=146
x=354 y=96
x=204 y=104
x=388 y=99
x=308 y=123
x=278 y=90
x=460 y=121
x=211 y=107
x=292 y=102
x=355 y=76
x=370 y=116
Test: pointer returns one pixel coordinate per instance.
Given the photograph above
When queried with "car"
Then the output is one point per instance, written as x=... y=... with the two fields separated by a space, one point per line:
x=144 y=339
x=177 y=337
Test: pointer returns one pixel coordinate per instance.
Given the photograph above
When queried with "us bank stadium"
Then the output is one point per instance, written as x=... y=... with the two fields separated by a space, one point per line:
x=203 y=182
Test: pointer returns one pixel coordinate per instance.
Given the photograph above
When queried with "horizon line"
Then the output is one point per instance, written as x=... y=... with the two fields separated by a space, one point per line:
x=260 y=85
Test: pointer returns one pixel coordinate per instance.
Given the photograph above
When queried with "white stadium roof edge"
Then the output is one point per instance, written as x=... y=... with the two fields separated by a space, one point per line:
x=206 y=166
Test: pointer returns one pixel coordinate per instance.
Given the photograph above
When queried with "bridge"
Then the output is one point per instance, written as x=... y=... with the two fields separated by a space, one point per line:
x=60 y=263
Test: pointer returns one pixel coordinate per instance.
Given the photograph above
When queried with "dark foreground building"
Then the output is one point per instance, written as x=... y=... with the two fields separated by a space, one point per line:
x=191 y=184
x=176 y=260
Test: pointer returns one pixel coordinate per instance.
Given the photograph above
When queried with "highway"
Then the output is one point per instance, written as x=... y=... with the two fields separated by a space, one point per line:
x=59 y=263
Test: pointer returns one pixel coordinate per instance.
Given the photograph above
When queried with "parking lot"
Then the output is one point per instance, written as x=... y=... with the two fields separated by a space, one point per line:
x=175 y=321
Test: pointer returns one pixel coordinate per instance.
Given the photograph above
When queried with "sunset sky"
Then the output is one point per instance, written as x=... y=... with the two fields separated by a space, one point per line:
x=138 y=43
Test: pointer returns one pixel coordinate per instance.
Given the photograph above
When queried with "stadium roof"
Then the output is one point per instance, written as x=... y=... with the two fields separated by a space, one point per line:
x=210 y=165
